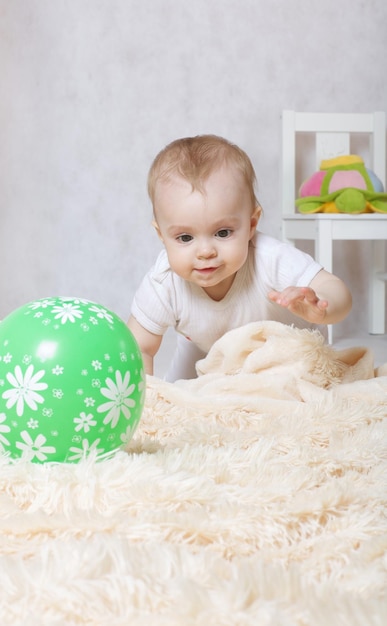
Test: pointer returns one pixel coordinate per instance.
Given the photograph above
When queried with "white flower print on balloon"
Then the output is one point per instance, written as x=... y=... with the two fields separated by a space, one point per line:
x=25 y=388
x=101 y=313
x=84 y=421
x=31 y=449
x=118 y=399
x=33 y=423
x=3 y=429
x=75 y=300
x=85 y=450
x=67 y=312
x=41 y=304
x=127 y=435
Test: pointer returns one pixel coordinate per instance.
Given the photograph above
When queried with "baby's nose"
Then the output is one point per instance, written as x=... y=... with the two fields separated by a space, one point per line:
x=206 y=249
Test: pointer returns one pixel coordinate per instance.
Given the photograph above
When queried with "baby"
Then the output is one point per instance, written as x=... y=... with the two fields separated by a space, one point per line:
x=216 y=271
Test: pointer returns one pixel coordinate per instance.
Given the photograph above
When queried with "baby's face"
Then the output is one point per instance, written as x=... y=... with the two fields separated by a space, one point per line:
x=206 y=234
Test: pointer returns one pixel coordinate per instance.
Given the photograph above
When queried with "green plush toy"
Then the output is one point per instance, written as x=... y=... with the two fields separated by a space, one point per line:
x=342 y=185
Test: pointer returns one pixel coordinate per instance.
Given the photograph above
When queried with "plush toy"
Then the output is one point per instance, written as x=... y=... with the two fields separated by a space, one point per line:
x=342 y=185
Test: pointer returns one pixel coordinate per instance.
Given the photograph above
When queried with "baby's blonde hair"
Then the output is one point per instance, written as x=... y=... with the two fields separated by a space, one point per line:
x=195 y=158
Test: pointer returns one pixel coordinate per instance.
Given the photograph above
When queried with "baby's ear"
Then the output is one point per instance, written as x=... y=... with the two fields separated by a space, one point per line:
x=157 y=228
x=256 y=214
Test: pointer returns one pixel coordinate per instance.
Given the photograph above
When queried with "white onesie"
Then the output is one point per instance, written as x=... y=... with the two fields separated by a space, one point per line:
x=165 y=300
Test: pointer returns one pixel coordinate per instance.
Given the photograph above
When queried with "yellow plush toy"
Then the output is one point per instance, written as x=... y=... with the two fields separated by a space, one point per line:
x=342 y=185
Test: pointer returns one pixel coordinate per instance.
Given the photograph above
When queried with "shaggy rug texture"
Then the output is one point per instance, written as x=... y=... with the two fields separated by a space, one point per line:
x=253 y=495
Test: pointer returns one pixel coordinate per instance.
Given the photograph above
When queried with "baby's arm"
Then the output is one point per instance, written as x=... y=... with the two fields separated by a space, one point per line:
x=327 y=299
x=147 y=341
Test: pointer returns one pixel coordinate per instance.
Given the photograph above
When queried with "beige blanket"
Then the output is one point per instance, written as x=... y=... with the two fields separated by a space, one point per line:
x=254 y=495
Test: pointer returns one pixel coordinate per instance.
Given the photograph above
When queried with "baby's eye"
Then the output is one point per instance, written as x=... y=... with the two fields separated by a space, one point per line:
x=223 y=233
x=184 y=238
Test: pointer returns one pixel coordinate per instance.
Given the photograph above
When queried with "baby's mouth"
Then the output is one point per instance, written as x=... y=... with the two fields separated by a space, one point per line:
x=206 y=270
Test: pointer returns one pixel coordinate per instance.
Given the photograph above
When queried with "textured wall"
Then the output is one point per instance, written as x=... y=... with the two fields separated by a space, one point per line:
x=92 y=89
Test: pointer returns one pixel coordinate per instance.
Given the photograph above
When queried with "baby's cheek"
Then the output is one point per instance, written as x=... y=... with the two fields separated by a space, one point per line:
x=178 y=261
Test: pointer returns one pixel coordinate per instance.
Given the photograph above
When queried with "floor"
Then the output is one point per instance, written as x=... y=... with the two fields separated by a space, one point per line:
x=376 y=343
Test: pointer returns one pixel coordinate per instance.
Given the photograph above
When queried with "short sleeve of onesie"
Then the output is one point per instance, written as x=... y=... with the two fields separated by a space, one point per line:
x=279 y=265
x=154 y=304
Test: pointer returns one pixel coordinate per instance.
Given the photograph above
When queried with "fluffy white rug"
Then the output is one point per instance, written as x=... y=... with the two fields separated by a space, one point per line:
x=254 y=495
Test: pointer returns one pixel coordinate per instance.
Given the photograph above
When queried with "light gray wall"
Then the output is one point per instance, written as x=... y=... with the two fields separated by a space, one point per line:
x=92 y=89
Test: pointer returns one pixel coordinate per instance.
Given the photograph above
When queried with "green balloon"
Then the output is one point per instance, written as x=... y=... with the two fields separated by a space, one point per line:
x=72 y=381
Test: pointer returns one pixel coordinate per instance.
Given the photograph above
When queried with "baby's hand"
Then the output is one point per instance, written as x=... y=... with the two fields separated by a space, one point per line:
x=301 y=301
